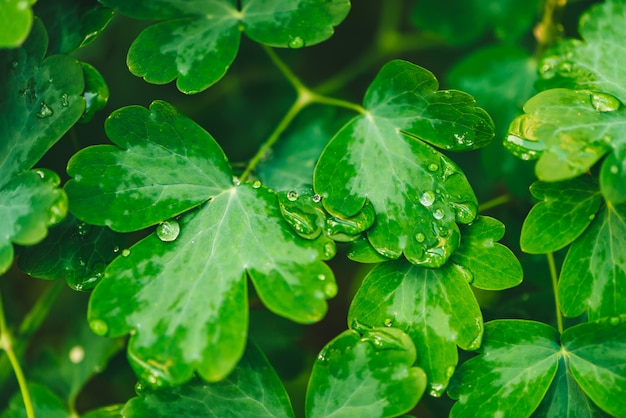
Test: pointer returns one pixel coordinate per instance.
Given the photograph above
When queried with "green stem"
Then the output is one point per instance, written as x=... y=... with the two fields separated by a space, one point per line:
x=7 y=346
x=553 y=277
x=549 y=30
x=497 y=201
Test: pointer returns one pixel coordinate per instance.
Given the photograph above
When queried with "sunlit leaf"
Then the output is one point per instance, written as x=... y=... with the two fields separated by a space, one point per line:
x=252 y=389
x=16 y=19
x=365 y=374
x=435 y=307
x=45 y=404
x=565 y=210
x=593 y=277
x=613 y=177
x=418 y=194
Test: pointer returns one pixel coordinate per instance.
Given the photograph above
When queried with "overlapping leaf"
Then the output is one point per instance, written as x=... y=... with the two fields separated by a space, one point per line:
x=252 y=389
x=182 y=291
x=384 y=157
x=365 y=373
x=16 y=19
x=198 y=41
x=566 y=209
x=593 y=277
x=45 y=404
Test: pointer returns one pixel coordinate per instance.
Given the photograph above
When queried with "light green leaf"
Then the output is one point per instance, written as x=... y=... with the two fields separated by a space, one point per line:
x=435 y=307
x=200 y=40
x=595 y=352
x=566 y=209
x=613 y=177
x=516 y=365
x=111 y=411
x=185 y=301
x=163 y=164
x=365 y=375
x=486 y=263
x=45 y=404
x=418 y=193
x=31 y=202
x=39 y=102
x=252 y=389
x=593 y=277
x=568 y=130
x=16 y=19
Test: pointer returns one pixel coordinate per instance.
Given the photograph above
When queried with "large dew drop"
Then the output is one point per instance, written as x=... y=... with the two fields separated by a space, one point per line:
x=168 y=231
x=427 y=198
x=99 y=327
x=604 y=102
x=45 y=111
x=295 y=42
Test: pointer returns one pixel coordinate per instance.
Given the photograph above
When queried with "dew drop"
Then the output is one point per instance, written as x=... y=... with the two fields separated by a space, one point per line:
x=44 y=111
x=438 y=213
x=256 y=184
x=604 y=102
x=427 y=198
x=322 y=357
x=593 y=215
x=83 y=229
x=436 y=390
x=140 y=388
x=330 y=289
x=292 y=195
x=420 y=237
x=77 y=354
x=99 y=327
x=316 y=198
x=125 y=252
x=65 y=100
x=152 y=379
x=295 y=42
x=168 y=231
x=116 y=249
x=321 y=277
x=388 y=322
x=236 y=181
x=433 y=167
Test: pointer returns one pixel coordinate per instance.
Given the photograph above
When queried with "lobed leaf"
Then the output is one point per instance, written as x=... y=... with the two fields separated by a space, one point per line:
x=368 y=375
x=435 y=307
x=16 y=19
x=566 y=209
x=418 y=194
x=593 y=277
x=252 y=389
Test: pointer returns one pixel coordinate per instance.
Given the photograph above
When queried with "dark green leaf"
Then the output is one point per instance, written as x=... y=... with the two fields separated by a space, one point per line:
x=516 y=365
x=595 y=352
x=362 y=251
x=368 y=375
x=593 y=277
x=486 y=263
x=45 y=404
x=435 y=307
x=163 y=164
x=185 y=300
x=418 y=193
x=613 y=177
x=96 y=92
x=566 y=209
x=16 y=18
x=252 y=390
x=31 y=202
x=39 y=102
x=112 y=411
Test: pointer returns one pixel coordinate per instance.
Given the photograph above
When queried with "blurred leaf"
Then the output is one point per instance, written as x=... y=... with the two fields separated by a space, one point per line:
x=72 y=24
x=112 y=411
x=418 y=193
x=199 y=40
x=365 y=375
x=566 y=209
x=252 y=389
x=45 y=404
x=593 y=277
x=16 y=19
x=435 y=307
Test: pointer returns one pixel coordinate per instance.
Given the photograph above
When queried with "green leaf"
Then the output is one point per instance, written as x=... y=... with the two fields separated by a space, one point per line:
x=486 y=263
x=185 y=300
x=368 y=375
x=435 y=307
x=39 y=102
x=16 y=19
x=72 y=24
x=96 y=92
x=613 y=177
x=418 y=193
x=595 y=352
x=593 y=277
x=252 y=389
x=516 y=365
x=200 y=40
x=45 y=404
x=568 y=130
x=73 y=251
x=31 y=202
x=164 y=164
x=566 y=209
x=111 y=411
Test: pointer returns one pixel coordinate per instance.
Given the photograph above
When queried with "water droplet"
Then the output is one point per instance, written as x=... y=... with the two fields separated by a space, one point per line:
x=256 y=184
x=330 y=289
x=427 y=198
x=236 y=181
x=604 y=102
x=152 y=379
x=565 y=68
x=15 y=64
x=65 y=100
x=593 y=215
x=125 y=252
x=614 y=169
x=322 y=357
x=614 y=320
x=321 y=277
x=388 y=322
x=329 y=250
x=547 y=67
x=436 y=390
x=77 y=354
x=438 y=213
x=316 y=198
x=292 y=195
x=419 y=237
x=140 y=388
x=168 y=231
x=99 y=327
x=83 y=229
x=44 y=111
x=295 y=42
x=116 y=249
x=433 y=167
x=465 y=212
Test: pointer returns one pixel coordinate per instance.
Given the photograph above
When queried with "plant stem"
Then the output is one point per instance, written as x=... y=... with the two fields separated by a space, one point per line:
x=549 y=30
x=6 y=345
x=495 y=202
x=553 y=277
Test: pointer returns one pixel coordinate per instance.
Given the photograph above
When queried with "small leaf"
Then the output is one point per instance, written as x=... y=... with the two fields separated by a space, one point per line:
x=16 y=19
x=595 y=353
x=435 y=307
x=593 y=277
x=517 y=363
x=486 y=263
x=418 y=193
x=566 y=209
x=45 y=404
x=96 y=92
x=252 y=389
x=613 y=178
x=369 y=375
x=31 y=202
